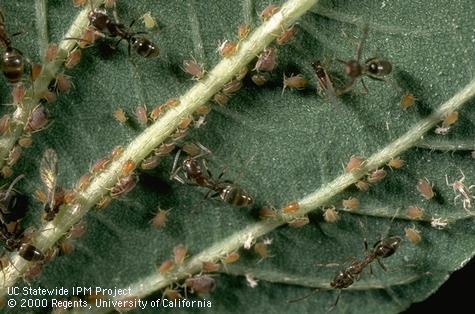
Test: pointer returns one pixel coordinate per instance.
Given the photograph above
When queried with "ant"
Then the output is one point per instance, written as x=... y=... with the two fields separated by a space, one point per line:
x=10 y=232
x=101 y=21
x=200 y=175
x=373 y=68
x=12 y=62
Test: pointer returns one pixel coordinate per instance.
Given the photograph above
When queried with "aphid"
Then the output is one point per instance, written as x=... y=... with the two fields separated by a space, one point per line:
x=51 y=52
x=232 y=87
x=413 y=235
x=266 y=212
x=179 y=254
x=79 y=3
x=261 y=249
x=156 y=112
x=396 y=163
x=6 y=172
x=203 y=110
x=228 y=48
x=104 y=202
x=291 y=208
x=109 y=3
x=120 y=116
x=415 y=213
x=35 y=71
x=171 y=294
x=38 y=119
x=299 y=222
x=201 y=284
x=63 y=83
x=78 y=230
x=450 y=119
x=231 y=258
x=221 y=99
x=331 y=215
x=325 y=84
x=251 y=281
x=18 y=92
x=377 y=176
x=374 y=68
x=12 y=61
x=286 y=35
x=294 y=82
x=191 y=149
x=166 y=266
x=425 y=188
x=24 y=141
x=165 y=149
x=128 y=167
x=185 y=123
x=407 y=101
x=267 y=60
x=49 y=96
x=66 y=247
x=463 y=192
x=88 y=38
x=14 y=155
x=354 y=164
x=33 y=272
x=141 y=115
x=210 y=267
x=117 y=152
x=69 y=196
x=100 y=165
x=269 y=11
x=260 y=79
x=149 y=21
x=194 y=69
x=351 y=203
x=84 y=181
x=73 y=59
x=124 y=185
x=4 y=124
x=150 y=162
x=243 y=31
x=241 y=74
x=160 y=218
x=382 y=249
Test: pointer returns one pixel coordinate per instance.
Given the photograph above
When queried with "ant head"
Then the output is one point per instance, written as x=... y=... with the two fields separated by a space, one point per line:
x=98 y=18
x=387 y=246
x=353 y=68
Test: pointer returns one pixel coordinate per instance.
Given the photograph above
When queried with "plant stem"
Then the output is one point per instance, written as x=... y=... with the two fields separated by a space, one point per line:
x=157 y=133
x=42 y=25
x=311 y=202
x=446 y=145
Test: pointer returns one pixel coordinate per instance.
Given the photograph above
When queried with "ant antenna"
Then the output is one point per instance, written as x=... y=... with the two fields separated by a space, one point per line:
x=10 y=188
x=303 y=297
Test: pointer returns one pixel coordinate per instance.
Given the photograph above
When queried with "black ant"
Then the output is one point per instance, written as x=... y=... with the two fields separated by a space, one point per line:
x=194 y=173
x=100 y=20
x=10 y=231
x=373 y=68
x=12 y=61
x=346 y=277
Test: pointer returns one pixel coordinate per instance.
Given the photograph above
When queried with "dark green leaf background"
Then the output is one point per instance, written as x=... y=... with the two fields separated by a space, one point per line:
x=279 y=147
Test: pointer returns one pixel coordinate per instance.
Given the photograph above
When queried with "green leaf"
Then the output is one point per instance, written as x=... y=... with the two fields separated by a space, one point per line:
x=279 y=147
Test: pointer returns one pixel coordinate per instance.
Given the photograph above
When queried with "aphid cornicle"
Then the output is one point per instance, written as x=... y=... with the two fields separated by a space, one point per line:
x=12 y=62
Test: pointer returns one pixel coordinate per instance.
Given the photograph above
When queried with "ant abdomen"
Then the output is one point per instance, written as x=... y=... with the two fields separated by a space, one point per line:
x=378 y=67
x=13 y=65
x=145 y=47
x=235 y=195
x=387 y=247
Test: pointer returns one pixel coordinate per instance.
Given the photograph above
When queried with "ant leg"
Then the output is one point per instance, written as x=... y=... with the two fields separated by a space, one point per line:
x=12 y=185
x=303 y=297
x=175 y=169
x=364 y=86
x=205 y=166
x=381 y=264
x=360 y=44
x=336 y=302
x=346 y=89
